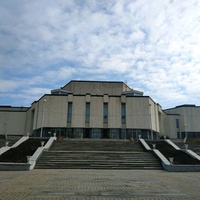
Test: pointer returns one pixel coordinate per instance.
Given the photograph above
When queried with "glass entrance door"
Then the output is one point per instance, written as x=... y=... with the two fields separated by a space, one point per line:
x=96 y=133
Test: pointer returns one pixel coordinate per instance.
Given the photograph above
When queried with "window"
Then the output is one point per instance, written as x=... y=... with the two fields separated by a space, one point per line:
x=123 y=134
x=105 y=113
x=96 y=133
x=87 y=113
x=177 y=123
x=114 y=133
x=123 y=113
x=78 y=133
x=69 y=112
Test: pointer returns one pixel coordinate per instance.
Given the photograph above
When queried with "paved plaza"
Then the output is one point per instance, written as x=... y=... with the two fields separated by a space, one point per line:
x=98 y=184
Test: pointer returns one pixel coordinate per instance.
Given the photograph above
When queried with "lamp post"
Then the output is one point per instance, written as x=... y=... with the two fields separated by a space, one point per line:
x=150 y=122
x=43 y=112
x=186 y=135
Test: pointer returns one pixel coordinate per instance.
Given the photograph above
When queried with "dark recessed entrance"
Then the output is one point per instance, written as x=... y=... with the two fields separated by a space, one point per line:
x=105 y=133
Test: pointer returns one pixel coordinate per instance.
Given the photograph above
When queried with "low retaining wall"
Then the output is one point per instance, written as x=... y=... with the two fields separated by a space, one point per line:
x=172 y=144
x=6 y=148
x=4 y=166
x=31 y=160
x=181 y=168
x=21 y=140
x=146 y=146
x=171 y=167
x=192 y=153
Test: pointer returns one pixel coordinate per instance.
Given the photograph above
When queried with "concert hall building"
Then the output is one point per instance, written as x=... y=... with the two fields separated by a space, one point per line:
x=101 y=110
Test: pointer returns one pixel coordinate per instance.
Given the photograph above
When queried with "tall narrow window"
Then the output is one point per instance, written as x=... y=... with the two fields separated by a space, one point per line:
x=105 y=113
x=177 y=123
x=87 y=113
x=69 y=112
x=123 y=113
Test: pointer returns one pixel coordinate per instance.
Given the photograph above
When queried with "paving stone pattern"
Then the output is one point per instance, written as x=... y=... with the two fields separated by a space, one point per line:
x=59 y=184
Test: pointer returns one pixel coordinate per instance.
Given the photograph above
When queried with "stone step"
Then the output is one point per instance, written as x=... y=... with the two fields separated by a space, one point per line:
x=97 y=154
x=47 y=157
x=100 y=167
x=98 y=163
x=97 y=145
x=95 y=167
x=107 y=161
x=103 y=151
x=97 y=157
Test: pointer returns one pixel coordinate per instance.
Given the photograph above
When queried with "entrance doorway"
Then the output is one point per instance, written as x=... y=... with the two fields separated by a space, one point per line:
x=105 y=133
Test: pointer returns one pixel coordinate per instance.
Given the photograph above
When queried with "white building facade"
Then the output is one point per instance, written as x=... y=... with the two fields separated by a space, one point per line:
x=99 y=109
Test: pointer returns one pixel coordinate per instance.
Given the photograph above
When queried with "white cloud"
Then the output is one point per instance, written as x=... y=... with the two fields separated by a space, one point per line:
x=154 y=45
x=62 y=73
x=9 y=85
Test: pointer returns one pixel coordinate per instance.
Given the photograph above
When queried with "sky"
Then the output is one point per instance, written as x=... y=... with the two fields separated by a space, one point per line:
x=152 y=45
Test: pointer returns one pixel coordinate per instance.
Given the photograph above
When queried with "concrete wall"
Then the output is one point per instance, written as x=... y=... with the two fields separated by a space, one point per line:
x=189 y=117
x=114 y=112
x=139 y=115
x=55 y=111
x=12 y=123
x=96 y=112
x=78 y=112
x=96 y=87
x=169 y=124
x=137 y=112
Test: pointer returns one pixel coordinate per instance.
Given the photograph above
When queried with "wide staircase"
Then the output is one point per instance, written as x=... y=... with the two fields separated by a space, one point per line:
x=97 y=154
